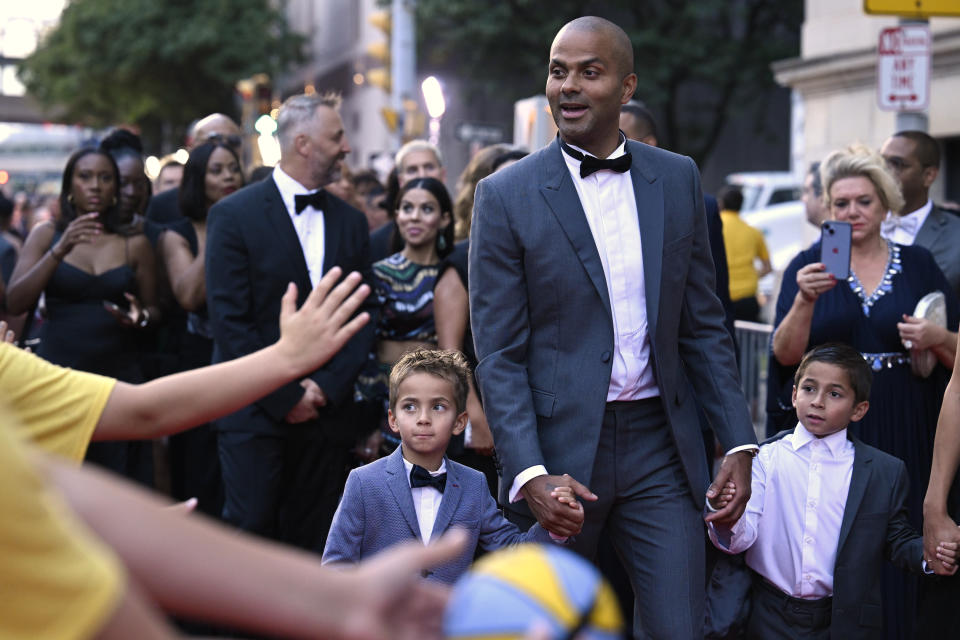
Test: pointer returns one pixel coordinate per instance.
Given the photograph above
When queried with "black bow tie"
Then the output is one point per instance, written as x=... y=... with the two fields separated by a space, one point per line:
x=590 y=164
x=420 y=477
x=317 y=200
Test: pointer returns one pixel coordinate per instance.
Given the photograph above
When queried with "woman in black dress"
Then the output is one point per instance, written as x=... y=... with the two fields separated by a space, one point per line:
x=211 y=173
x=98 y=286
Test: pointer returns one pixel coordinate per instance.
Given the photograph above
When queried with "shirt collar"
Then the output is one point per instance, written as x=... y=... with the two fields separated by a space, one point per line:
x=920 y=214
x=619 y=151
x=409 y=467
x=289 y=187
x=836 y=442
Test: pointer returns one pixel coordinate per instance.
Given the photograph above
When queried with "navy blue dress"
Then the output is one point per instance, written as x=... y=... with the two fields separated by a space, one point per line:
x=904 y=408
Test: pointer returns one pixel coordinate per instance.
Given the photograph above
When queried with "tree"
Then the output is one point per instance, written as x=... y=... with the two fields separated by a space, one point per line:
x=155 y=63
x=699 y=62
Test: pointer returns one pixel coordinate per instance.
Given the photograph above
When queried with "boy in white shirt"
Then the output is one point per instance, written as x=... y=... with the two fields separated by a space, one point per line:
x=824 y=512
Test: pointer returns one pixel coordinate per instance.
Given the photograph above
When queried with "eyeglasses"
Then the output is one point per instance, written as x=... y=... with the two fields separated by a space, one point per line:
x=234 y=142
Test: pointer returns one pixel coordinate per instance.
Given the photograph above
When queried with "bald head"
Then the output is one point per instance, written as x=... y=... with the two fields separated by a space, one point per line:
x=620 y=46
x=215 y=124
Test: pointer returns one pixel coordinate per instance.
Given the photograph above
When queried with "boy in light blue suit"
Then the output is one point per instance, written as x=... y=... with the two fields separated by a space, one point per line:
x=416 y=492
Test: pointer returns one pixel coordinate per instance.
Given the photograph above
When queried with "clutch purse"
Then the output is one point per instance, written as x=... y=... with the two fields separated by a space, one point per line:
x=933 y=308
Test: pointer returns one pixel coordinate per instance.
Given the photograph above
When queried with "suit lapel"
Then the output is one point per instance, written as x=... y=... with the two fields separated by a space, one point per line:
x=648 y=192
x=278 y=218
x=561 y=196
x=449 y=502
x=930 y=232
x=400 y=488
x=332 y=232
x=860 y=478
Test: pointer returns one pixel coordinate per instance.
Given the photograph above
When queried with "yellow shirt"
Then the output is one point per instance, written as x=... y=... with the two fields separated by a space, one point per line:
x=55 y=408
x=744 y=244
x=56 y=579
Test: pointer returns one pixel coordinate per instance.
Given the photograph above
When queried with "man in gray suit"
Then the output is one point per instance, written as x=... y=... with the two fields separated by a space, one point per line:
x=913 y=157
x=592 y=306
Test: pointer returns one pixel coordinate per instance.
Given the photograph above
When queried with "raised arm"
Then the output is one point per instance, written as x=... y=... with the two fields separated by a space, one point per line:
x=793 y=333
x=308 y=338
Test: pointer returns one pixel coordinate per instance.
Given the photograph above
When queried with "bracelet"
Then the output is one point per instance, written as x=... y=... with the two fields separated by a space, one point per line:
x=144 y=319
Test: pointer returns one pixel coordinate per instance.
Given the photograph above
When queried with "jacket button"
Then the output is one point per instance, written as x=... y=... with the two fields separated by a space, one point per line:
x=605 y=356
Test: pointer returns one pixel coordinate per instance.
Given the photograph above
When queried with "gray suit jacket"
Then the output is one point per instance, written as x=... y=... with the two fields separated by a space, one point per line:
x=377 y=512
x=940 y=234
x=542 y=324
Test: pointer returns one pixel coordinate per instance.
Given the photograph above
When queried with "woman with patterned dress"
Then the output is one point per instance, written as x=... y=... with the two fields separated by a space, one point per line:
x=403 y=286
x=871 y=311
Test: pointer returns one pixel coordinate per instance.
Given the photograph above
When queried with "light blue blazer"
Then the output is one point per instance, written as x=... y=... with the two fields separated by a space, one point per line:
x=376 y=512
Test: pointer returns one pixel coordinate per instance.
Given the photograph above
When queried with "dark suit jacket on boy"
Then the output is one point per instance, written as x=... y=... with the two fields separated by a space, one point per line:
x=377 y=512
x=874 y=528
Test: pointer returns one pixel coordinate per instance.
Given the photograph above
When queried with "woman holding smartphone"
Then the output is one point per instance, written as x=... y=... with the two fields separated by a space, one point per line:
x=98 y=286
x=871 y=310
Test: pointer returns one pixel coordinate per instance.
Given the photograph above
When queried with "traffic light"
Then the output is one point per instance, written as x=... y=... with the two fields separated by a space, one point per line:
x=378 y=73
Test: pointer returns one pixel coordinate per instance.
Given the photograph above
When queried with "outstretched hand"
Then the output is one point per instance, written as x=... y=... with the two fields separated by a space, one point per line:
x=312 y=335
x=386 y=598
x=735 y=468
x=554 y=515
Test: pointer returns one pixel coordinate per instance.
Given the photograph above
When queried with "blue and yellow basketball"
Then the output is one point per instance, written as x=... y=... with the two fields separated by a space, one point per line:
x=508 y=591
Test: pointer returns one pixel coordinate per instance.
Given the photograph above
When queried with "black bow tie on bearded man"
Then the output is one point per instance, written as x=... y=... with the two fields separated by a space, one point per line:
x=590 y=164
x=317 y=200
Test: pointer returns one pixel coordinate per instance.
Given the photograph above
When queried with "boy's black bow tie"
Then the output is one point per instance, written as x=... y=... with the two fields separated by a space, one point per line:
x=420 y=477
x=590 y=164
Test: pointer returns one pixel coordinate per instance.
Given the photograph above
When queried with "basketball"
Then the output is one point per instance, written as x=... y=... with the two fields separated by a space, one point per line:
x=508 y=591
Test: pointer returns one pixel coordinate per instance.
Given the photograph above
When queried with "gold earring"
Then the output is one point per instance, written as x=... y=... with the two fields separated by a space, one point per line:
x=113 y=203
x=70 y=198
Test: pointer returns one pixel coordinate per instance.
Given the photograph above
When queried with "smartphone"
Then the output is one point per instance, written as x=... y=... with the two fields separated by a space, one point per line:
x=835 y=248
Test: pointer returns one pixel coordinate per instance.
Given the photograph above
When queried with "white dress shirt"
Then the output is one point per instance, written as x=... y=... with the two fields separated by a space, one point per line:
x=426 y=501
x=308 y=223
x=903 y=229
x=791 y=527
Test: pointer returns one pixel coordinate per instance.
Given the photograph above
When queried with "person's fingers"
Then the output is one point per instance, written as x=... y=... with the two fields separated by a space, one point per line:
x=579 y=488
x=346 y=298
x=320 y=292
x=350 y=329
x=288 y=303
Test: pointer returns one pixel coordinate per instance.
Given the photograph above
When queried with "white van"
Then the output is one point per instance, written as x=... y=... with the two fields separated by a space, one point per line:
x=764 y=188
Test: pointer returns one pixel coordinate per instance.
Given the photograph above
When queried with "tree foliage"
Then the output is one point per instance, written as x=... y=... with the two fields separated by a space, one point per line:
x=143 y=61
x=698 y=61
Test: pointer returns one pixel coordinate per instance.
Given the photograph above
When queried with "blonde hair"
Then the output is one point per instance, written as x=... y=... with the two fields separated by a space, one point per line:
x=447 y=364
x=860 y=161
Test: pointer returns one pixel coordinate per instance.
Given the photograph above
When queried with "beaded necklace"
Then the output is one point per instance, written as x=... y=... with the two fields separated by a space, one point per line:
x=886 y=284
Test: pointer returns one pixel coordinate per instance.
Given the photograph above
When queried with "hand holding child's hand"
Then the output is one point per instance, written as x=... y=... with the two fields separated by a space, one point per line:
x=565 y=495
x=727 y=493
x=947 y=555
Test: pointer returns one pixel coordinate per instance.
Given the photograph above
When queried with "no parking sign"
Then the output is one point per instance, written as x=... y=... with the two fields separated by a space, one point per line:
x=903 y=68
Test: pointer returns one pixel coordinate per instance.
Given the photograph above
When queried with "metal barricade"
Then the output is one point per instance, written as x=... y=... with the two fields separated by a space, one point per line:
x=753 y=343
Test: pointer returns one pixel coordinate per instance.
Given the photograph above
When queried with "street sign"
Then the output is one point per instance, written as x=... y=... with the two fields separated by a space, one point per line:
x=475 y=132
x=903 y=68
x=913 y=8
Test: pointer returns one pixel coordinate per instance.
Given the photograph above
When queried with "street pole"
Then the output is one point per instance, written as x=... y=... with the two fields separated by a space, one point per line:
x=403 y=60
x=913 y=120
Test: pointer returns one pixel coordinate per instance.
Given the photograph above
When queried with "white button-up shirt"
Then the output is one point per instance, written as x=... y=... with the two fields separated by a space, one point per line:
x=426 y=501
x=308 y=223
x=791 y=527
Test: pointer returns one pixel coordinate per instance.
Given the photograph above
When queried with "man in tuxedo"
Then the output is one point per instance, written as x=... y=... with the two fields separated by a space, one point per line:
x=913 y=158
x=284 y=458
x=594 y=315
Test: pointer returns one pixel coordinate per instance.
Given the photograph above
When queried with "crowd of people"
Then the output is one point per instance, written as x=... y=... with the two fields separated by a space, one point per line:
x=544 y=353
